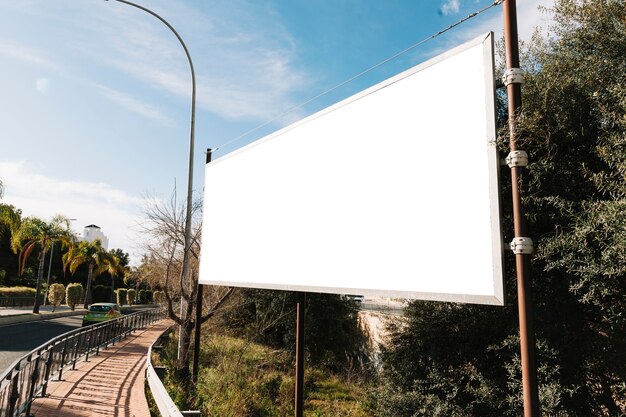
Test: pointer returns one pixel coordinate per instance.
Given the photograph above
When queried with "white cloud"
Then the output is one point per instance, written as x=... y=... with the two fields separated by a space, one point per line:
x=135 y=105
x=246 y=69
x=27 y=54
x=450 y=7
x=116 y=212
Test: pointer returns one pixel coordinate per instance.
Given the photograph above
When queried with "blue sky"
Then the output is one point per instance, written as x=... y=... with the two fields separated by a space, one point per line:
x=95 y=95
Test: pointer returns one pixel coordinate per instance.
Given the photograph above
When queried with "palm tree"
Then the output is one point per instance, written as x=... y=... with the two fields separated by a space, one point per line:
x=34 y=232
x=97 y=258
x=10 y=217
x=113 y=267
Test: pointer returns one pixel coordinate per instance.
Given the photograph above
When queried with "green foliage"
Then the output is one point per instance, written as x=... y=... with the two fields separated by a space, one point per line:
x=122 y=296
x=459 y=360
x=242 y=379
x=131 y=296
x=17 y=292
x=334 y=338
x=56 y=293
x=101 y=294
x=74 y=294
x=145 y=296
x=96 y=257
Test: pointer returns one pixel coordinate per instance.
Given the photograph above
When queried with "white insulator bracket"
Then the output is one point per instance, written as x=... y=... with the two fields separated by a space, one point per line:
x=513 y=75
x=522 y=246
x=517 y=159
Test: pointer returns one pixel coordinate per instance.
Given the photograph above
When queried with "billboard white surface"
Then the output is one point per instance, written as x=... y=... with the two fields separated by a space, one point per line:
x=392 y=192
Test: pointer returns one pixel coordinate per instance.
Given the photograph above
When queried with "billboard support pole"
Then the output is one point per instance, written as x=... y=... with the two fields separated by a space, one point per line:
x=521 y=245
x=299 y=405
x=199 y=296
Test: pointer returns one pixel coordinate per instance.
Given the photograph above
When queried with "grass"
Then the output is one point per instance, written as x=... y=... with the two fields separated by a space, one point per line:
x=243 y=379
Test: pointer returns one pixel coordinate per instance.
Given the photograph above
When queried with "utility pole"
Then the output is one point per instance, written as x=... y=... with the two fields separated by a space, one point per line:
x=199 y=296
x=522 y=245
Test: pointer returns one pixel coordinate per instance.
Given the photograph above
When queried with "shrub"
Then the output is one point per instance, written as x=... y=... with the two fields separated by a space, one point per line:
x=121 y=296
x=159 y=297
x=145 y=296
x=56 y=292
x=131 y=295
x=74 y=294
x=101 y=294
x=17 y=292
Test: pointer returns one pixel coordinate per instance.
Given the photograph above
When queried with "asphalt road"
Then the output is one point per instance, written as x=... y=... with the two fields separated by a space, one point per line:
x=16 y=340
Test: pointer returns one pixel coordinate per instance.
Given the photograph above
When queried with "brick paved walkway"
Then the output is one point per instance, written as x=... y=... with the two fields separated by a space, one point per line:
x=109 y=385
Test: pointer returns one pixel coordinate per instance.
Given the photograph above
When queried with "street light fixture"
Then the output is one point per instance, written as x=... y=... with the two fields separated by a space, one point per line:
x=185 y=270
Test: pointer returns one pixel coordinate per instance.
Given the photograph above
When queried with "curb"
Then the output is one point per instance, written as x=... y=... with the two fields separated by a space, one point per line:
x=21 y=318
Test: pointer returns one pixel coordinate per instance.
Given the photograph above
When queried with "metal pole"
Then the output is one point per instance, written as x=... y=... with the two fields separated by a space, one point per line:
x=300 y=355
x=185 y=269
x=48 y=279
x=196 y=342
x=522 y=260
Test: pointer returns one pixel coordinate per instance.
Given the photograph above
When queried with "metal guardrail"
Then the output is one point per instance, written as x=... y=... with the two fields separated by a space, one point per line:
x=29 y=376
x=163 y=401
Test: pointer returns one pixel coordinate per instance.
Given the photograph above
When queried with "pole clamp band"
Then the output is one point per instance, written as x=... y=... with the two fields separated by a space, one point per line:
x=522 y=246
x=517 y=159
x=513 y=75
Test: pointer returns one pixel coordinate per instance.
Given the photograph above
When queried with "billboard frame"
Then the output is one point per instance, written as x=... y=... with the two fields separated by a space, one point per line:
x=497 y=247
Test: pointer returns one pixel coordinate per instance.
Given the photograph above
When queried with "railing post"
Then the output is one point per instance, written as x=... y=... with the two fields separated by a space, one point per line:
x=14 y=392
x=46 y=375
x=114 y=331
x=33 y=381
x=88 y=348
x=63 y=353
x=98 y=338
x=76 y=352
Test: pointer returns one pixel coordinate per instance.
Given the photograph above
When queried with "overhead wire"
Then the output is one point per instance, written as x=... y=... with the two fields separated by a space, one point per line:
x=360 y=74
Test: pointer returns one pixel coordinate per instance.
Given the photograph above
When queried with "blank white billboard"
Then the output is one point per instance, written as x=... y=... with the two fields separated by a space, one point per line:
x=392 y=192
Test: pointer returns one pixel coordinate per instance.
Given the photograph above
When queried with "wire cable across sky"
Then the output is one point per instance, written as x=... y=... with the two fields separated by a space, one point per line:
x=359 y=75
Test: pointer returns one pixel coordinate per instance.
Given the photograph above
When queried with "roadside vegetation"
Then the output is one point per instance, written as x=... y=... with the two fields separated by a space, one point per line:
x=17 y=291
x=239 y=378
x=31 y=249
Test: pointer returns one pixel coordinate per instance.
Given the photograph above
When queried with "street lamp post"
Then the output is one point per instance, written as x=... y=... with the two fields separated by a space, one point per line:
x=185 y=270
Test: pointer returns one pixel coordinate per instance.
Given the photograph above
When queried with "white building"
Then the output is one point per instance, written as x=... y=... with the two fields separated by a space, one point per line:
x=93 y=232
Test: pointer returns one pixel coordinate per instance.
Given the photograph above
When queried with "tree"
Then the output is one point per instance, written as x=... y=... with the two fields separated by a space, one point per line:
x=114 y=265
x=34 y=232
x=164 y=231
x=10 y=221
x=97 y=259
x=451 y=359
x=334 y=338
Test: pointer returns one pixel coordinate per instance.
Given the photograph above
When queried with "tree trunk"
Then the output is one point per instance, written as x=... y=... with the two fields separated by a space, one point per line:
x=42 y=256
x=88 y=291
x=185 y=341
x=112 y=288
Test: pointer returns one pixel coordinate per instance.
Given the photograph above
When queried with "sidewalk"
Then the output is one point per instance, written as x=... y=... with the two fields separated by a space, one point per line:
x=109 y=385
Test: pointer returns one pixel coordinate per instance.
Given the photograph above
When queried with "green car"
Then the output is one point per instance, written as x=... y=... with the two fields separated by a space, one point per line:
x=100 y=312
